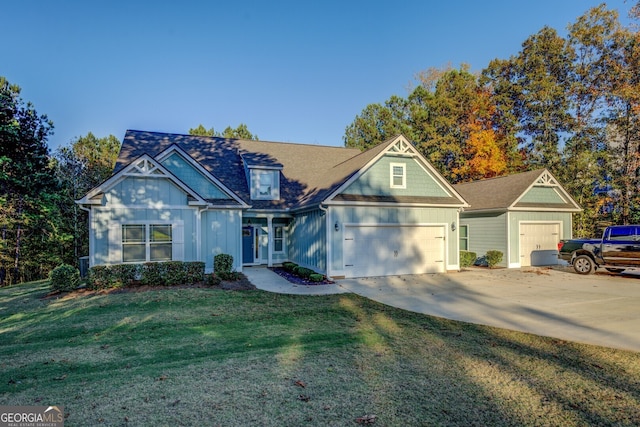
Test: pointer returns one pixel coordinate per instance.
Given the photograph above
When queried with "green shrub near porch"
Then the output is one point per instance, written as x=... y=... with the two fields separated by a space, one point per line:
x=467 y=258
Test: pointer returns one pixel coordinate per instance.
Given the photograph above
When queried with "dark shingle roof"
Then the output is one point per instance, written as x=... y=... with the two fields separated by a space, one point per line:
x=309 y=172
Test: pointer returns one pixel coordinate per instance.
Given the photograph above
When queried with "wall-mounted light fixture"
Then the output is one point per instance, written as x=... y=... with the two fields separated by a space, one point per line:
x=337 y=226
x=453 y=226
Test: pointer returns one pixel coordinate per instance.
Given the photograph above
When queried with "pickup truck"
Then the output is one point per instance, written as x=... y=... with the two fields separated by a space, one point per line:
x=617 y=250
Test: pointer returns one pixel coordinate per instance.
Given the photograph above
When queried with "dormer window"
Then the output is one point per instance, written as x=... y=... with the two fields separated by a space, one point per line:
x=398 y=175
x=265 y=184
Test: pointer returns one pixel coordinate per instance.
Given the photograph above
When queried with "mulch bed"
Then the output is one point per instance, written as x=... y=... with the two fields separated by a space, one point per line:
x=297 y=279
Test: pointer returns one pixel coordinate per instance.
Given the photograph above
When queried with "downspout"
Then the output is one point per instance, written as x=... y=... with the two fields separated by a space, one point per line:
x=327 y=236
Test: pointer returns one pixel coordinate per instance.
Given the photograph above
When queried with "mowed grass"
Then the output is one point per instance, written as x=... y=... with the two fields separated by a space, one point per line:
x=243 y=358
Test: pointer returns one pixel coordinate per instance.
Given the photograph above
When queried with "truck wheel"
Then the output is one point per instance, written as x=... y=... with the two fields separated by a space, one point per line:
x=583 y=264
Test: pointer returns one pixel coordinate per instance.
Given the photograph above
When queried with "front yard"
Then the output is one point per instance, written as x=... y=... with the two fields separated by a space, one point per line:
x=201 y=356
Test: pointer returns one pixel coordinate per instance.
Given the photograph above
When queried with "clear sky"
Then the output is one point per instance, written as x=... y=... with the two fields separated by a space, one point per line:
x=297 y=71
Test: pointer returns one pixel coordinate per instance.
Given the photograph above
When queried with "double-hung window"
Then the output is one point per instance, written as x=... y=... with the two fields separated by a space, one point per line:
x=147 y=242
x=278 y=239
x=398 y=175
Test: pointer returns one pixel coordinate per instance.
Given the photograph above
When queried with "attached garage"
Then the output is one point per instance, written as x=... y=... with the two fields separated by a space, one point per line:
x=539 y=243
x=524 y=216
x=383 y=250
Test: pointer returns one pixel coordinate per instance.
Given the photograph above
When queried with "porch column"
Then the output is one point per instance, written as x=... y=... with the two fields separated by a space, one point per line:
x=270 y=240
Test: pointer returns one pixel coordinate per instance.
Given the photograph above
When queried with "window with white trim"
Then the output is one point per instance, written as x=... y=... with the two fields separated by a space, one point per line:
x=265 y=184
x=398 y=175
x=278 y=239
x=463 y=232
x=147 y=242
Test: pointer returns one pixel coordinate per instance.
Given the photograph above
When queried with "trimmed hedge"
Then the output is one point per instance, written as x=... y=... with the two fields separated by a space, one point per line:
x=150 y=273
x=223 y=263
x=493 y=258
x=64 y=277
x=289 y=266
x=467 y=259
x=316 y=277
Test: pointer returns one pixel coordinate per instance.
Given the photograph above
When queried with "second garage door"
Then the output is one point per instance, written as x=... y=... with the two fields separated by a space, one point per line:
x=393 y=250
x=539 y=244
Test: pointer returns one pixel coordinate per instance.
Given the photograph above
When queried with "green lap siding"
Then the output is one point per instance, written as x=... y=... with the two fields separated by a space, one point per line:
x=486 y=232
x=306 y=240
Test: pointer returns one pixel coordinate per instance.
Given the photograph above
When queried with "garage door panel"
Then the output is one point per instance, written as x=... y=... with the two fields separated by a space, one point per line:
x=393 y=250
x=539 y=244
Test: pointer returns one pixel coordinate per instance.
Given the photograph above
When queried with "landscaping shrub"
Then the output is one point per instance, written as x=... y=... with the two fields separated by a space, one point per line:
x=493 y=258
x=223 y=263
x=64 y=278
x=123 y=274
x=174 y=273
x=289 y=266
x=194 y=271
x=230 y=276
x=153 y=274
x=101 y=277
x=304 y=272
x=467 y=258
x=212 y=280
x=316 y=277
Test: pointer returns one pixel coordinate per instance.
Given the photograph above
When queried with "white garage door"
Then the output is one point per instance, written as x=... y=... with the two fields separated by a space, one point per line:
x=539 y=244
x=392 y=250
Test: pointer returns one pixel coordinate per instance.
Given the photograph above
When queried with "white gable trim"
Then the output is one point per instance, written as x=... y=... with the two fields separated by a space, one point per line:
x=400 y=146
x=142 y=167
x=546 y=179
x=175 y=149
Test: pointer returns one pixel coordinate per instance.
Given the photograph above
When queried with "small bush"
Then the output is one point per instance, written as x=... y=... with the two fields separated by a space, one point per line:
x=64 y=278
x=153 y=274
x=123 y=274
x=212 y=280
x=223 y=263
x=174 y=273
x=493 y=258
x=229 y=276
x=316 y=277
x=194 y=271
x=467 y=258
x=289 y=266
x=100 y=277
x=305 y=272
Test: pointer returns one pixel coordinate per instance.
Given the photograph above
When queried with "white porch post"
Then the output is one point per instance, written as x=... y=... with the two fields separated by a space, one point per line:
x=270 y=240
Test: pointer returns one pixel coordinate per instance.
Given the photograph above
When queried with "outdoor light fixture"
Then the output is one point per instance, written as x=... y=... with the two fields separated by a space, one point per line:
x=337 y=226
x=453 y=226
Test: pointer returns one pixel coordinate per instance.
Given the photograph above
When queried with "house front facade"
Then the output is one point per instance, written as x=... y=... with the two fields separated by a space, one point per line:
x=338 y=211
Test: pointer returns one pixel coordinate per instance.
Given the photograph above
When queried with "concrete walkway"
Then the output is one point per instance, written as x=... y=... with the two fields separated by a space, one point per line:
x=267 y=280
x=600 y=309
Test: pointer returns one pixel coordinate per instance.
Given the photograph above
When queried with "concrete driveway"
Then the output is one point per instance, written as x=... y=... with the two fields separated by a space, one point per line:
x=601 y=309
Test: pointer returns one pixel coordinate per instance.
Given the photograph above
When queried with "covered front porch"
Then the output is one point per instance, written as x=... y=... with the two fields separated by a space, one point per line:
x=265 y=238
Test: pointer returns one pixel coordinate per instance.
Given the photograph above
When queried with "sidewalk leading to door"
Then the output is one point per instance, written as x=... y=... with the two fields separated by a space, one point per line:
x=267 y=280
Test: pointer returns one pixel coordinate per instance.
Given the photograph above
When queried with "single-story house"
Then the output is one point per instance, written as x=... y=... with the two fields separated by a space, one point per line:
x=338 y=211
x=523 y=215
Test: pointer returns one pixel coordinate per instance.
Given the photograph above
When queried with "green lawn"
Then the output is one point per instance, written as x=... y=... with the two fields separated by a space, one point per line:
x=212 y=357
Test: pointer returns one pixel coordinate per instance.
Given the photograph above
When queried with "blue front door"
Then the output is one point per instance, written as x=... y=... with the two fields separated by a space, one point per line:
x=247 y=245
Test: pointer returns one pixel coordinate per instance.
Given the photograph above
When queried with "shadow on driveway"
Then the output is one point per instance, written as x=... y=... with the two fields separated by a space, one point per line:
x=600 y=309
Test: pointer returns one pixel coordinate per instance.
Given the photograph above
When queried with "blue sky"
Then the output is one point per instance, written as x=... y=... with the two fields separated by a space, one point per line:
x=296 y=71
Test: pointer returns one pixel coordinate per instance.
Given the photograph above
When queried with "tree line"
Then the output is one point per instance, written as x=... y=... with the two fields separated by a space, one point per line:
x=570 y=104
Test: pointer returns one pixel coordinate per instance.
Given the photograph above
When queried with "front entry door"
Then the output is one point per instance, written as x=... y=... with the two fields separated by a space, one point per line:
x=248 y=242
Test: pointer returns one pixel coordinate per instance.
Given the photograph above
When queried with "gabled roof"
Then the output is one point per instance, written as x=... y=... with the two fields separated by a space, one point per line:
x=311 y=174
x=306 y=169
x=142 y=166
x=355 y=167
x=505 y=193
